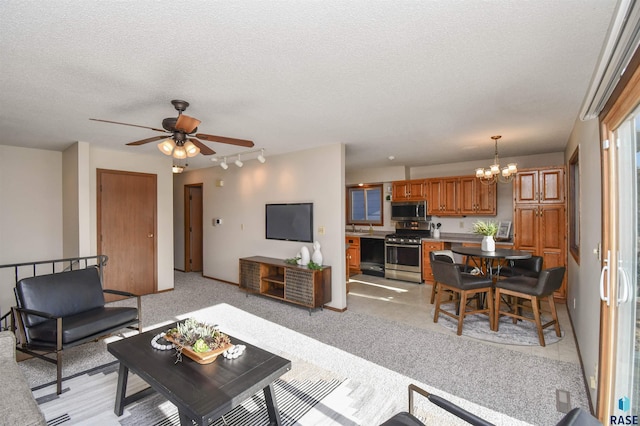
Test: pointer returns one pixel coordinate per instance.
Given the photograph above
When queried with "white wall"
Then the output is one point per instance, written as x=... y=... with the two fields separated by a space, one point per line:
x=583 y=298
x=315 y=175
x=31 y=210
x=48 y=208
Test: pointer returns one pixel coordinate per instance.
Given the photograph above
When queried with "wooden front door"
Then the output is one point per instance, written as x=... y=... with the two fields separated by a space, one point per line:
x=193 y=227
x=126 y=210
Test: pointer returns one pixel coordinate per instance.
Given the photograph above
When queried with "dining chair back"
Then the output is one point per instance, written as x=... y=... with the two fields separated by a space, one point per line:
x=534 y=290
x=528 y=267
x=449 y=277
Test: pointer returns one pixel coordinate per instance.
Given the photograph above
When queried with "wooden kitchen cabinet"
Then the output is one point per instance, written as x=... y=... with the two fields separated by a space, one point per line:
x=540 y=223
x=461 y=196
x=353 y=255
x=546 y=186
x=443 y=199
x=409 y=190
x=477 y=198
x=428 y=247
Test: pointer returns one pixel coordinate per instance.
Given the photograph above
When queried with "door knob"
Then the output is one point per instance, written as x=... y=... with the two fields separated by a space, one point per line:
x=150 y=235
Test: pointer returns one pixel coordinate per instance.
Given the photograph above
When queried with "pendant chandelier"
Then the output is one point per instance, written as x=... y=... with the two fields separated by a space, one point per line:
x=493 y=173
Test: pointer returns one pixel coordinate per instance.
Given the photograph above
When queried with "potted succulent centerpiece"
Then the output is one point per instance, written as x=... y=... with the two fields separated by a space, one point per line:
x=200 y=341
x=489 y=230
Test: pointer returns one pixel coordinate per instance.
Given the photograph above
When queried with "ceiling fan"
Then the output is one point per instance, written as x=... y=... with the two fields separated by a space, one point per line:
x=183 y=140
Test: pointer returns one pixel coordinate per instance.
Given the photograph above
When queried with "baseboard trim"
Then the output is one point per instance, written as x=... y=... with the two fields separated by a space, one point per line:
x=221 y=280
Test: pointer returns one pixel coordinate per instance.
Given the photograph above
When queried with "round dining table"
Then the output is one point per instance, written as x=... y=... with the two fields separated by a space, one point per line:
x=487 y=257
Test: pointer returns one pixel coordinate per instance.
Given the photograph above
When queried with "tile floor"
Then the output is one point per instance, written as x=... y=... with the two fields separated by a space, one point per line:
x=408 y=303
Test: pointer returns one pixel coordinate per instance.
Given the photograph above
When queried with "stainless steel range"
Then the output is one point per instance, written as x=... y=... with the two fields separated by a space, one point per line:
x=403 y=251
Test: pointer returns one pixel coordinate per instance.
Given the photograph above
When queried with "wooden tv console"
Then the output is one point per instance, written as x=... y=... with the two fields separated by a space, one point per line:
x=292 y=283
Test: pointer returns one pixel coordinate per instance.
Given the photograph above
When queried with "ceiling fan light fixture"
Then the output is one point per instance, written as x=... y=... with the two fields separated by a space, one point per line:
x=261 y=157
x=179 y=152
x=191 y=149
x=166 y=147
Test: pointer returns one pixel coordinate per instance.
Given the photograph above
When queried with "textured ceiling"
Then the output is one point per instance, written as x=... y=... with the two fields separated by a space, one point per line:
x=426 y=81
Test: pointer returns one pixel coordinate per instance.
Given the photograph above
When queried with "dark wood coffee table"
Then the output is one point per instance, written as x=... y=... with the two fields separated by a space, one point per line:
x=202 y=393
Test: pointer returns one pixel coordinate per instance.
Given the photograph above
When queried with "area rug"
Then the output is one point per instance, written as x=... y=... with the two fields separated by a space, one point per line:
x=88 y=398
x=523 y=333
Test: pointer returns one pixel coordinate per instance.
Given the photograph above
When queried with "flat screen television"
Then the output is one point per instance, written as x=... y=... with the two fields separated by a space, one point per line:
x=289 y=222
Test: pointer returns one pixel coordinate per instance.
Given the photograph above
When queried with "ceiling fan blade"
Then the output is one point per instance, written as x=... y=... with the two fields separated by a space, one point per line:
x=222 y=139
x=127 y=124
x=204 y=150
x=143 y=141
x=187 y=124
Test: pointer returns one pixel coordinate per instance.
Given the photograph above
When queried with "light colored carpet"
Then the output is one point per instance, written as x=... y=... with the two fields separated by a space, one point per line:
x=477 y=327
x=369 y=395
x=479 y=372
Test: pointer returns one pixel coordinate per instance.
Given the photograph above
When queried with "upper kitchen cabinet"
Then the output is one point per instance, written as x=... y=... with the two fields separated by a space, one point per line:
x=443 y=199
x=545 y=186
x=477 y=198
x=461 y=196
x=409 y=190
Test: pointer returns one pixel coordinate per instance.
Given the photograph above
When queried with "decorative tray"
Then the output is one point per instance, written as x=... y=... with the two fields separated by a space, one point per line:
x=199 y=357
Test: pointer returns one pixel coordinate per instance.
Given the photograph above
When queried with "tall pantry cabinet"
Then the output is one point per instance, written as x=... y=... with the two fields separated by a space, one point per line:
x=540 y=217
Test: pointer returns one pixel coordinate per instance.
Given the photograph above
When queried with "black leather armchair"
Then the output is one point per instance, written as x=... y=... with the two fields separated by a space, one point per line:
x=575 y=417
x=532 y=289
x=449 y=277
x=58 y=311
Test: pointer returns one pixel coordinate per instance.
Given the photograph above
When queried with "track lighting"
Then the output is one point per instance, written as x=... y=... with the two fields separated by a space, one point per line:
x=261 y=156
x=238 y=162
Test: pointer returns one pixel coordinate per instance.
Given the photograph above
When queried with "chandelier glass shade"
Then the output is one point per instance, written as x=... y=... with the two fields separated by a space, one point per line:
x=495 y=173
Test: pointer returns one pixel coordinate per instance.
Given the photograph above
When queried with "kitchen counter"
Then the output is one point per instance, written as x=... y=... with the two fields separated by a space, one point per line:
x=447 y=237
x=366 y=234
x=463 y=238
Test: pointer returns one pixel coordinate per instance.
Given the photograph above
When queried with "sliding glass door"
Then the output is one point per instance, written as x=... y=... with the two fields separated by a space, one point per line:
x=619 y=384
x=627 y=366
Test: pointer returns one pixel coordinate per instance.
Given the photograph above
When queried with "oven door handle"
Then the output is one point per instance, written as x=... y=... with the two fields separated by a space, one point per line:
x=402 y=245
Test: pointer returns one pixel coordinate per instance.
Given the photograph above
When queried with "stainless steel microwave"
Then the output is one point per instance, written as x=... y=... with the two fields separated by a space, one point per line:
x=409 y=211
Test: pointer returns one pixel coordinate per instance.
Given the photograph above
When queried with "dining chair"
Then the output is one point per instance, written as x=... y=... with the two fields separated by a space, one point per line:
x=445 y=256
x=533 y=290
x=449 y=277
x=528 y=267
